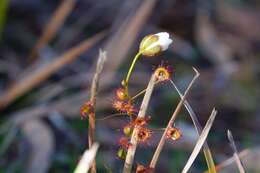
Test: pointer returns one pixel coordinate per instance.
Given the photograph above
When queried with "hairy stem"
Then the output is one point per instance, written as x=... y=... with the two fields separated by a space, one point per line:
x=131 y=150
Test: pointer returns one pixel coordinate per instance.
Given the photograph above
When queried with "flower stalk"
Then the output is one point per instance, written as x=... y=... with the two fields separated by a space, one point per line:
x=132 y=67
x=150 y=46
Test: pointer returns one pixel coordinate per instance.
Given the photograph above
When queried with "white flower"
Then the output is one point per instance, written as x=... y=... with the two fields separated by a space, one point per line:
x=164 y=40
x=154 y=44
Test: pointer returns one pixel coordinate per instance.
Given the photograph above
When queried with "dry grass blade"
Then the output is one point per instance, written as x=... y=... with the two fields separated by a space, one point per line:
x=174 y=115
x=200 y=141
x=206 y=150
x=93 y=94
x=234 y=148
x=53 y=25
x=231 y=160
x=212 y=45
x=46 y=70
x=87 y=159
x=131 y=150
x=42 y=145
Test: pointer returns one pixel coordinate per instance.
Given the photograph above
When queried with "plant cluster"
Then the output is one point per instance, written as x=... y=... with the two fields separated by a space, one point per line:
x=137 y=129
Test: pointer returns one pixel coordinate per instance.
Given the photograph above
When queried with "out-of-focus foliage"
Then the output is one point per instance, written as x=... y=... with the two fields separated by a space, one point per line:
x=221 y=38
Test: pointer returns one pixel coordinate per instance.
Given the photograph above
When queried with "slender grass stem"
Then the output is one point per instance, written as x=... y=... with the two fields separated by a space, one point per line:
x=231 y=160
x=206 y=150
x=200 y=141
x=93 y=94
x=235 y=155
x=171 y=121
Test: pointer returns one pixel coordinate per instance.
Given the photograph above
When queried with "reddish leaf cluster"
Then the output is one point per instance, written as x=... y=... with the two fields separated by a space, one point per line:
x=124 y=107
x=143 y=134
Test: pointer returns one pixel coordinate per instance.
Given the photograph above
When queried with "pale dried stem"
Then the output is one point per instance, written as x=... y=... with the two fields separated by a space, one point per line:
x=87 y=159
x=93 y=94
x=235 y=155
x=46 y=70
x=131 y=150
x=174 y=115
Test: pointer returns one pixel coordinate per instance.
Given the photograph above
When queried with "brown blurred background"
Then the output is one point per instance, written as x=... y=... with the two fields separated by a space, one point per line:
x=48 y=54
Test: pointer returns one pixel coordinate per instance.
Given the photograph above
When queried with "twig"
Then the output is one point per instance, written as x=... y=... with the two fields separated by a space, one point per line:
x=87 y=159
x=131 y=150
x=200 y=141
x=206 y=150
x=53 y=25
x=93 y=94
x=235 y=155
x=174 y=115
x=46 y=70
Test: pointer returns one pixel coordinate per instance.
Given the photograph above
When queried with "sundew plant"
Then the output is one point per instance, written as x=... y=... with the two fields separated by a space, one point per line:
x=137 y=130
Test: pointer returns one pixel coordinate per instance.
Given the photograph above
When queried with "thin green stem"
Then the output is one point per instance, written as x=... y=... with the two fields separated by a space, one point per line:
x=130 y=70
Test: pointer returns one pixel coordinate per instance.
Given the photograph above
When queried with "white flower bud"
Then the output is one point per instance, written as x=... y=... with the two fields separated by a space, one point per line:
x=151 y=45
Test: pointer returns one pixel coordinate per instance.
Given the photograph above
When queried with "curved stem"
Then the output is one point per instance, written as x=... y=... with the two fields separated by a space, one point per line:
x=206 y=149
x=131 y=69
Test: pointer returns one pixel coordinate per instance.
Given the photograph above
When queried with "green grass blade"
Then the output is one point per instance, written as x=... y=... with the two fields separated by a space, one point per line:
x=209 y=160
x=3 y=12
